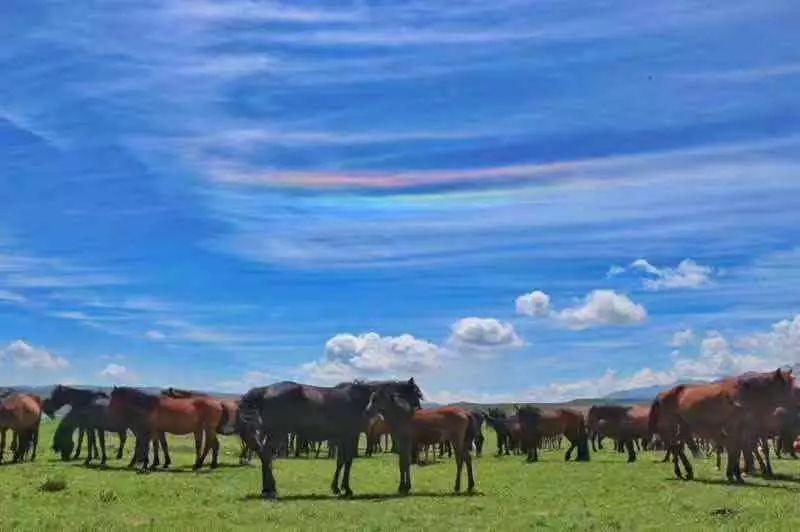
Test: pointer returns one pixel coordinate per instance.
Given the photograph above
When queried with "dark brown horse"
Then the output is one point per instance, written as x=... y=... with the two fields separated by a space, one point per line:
x=721 y=412
x=150 y=416
x=22 y=414
x=89 y=412
x=537 y=423
x=449 y=424
x=339 y=414
x=507 y=428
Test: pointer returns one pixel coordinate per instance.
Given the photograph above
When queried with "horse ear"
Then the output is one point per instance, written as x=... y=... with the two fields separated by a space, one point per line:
x=411 y=381
x=778 y=374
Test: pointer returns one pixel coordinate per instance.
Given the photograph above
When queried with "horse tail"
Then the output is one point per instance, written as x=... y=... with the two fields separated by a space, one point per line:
x=653 y=417
x=470 y=434
x=227 y=422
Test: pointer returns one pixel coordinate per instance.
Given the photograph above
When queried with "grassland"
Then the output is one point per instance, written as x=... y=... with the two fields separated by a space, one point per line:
x=603 y=494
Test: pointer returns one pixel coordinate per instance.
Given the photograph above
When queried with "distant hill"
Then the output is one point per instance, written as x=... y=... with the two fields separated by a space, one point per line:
x=646 y=393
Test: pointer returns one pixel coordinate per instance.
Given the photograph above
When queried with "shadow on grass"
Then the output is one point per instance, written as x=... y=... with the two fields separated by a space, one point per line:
x=744 y=485
x=363 y=496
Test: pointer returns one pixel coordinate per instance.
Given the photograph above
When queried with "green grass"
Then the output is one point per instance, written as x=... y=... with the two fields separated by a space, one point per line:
x=603 y=494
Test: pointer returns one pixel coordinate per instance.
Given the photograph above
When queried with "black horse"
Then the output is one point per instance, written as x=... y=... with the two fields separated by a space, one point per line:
x=338 y=414
x=90 y=413
x=501 y=423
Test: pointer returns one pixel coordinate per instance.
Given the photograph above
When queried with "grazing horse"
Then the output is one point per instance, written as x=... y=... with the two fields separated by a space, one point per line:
x=722 y=412
x=89 y=412
x=22 y=413
x=151 y=416
x=339 y=414
x=449 y=424
x=625 y=424
x=537 y=424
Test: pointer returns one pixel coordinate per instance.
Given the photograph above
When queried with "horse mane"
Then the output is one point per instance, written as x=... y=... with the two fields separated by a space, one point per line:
x=136 y=397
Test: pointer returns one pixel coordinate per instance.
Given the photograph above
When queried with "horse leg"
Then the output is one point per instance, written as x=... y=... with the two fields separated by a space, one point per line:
x=631 y=451
x=732 y=472
x=687 y=465
x=348 y=448
x=470 y=472
x=339 y=463
x=201 y=448
x=600 y=442
x=35 y=437
x=154 y=440
x=676 y=451
x=90 y=445
x=215 y=452
x=81 y=432
x=768 y=471
x=572 y=445
x=101 y=434
x=268 y=488
x=718 y=452
x=2 y=444
x=122 y=437
x=459 y=464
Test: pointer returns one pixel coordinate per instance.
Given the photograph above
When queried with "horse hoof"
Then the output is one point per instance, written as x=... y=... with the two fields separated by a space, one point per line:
x=269 y=495
x=347 y=494
x=335 y=490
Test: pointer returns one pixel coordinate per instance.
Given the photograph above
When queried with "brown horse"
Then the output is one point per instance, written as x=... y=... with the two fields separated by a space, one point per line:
x=722 y=412
x=377 y=428
x=227 y=426
x=537 y=424
x=22 y=413
x=625 y=424
x=149 y=416
x=449 y=424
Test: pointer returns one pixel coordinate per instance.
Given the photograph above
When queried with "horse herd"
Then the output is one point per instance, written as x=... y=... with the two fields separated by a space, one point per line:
x=741 y=416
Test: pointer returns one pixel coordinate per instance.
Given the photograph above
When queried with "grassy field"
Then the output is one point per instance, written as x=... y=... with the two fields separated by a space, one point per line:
x=603 y=494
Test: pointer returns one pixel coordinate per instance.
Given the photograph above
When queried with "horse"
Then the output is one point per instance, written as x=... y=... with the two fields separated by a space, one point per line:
x=625 y=424
x=447 y=424
x=339 y=413
x=507 y=428
x=377 y=428
x=151 y=416
x=226 y=427
x=22 y=413
x=537 y=423
x=89 y=412
x=721 y=411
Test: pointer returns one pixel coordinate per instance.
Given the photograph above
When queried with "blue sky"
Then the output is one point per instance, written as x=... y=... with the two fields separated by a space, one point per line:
x=508 y=200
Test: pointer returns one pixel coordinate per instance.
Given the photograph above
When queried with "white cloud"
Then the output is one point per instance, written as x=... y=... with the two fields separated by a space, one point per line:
x=348 y=356
x=781 y=344
x=117 y=373
x=688 y=274
x=483 y=334
x=155 y=336
x=249 y=379
x=682 y=338
x=536 y=303
x=26 y=356
x=603 y=308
